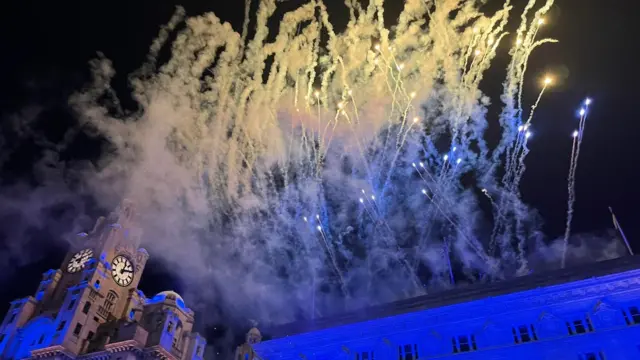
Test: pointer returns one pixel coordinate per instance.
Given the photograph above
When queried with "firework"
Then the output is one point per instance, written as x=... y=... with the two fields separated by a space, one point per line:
x=243 y=137
x=571 y=179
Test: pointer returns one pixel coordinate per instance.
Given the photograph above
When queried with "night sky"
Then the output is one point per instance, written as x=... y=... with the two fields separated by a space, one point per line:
x=45 y=47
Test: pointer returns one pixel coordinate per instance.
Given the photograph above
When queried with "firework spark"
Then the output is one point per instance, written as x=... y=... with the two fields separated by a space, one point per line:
x=571 y=180
x=240 y=138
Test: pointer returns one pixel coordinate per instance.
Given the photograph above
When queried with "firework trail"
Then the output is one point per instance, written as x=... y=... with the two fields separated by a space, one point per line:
x=571 y=179
x=515 y=169
x=239 y=136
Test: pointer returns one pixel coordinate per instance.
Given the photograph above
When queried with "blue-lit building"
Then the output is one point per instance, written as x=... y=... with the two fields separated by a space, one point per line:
x=91 y=308
x=590 y=312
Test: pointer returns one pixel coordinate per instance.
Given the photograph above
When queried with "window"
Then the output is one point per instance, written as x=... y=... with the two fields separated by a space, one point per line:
x=632 y=316
x=86 y=307
x=174 y=342
x=464 y=343
x=13 y=317
x=90 y=335
x=108 y=305
x=72 y=303
x=170 y=326
x=524 y=333
x=41 y=339
x=408 y=352
x=61 y=325
x=97 y=284
x=592 y=356
x=75 y=292
x=110 y=300
x=132 y=314
x=365 y=355
x=579 y=326
x=77 y=329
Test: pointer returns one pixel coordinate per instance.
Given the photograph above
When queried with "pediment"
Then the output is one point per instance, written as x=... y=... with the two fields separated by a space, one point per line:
x=603 y=306
x=547 y=316
x=489 y=326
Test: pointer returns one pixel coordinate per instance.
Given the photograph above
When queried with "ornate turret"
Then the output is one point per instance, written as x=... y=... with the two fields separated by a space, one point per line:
x=92 y=305
x=245 y=351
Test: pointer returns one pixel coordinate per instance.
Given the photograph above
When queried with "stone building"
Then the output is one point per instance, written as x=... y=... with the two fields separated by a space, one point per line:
x=91 y=308
x=590 y=312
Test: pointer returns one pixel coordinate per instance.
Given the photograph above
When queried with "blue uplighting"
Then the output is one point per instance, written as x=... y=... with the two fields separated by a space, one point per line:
x=580 y=313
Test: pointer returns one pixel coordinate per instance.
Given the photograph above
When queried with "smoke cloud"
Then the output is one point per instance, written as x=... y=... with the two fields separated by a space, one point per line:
x=321 y=171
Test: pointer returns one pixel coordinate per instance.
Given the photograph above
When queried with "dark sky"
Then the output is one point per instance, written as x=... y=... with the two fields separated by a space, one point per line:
x=45 y=47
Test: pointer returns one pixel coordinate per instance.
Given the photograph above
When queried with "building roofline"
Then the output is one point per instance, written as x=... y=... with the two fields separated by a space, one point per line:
x=460 y=295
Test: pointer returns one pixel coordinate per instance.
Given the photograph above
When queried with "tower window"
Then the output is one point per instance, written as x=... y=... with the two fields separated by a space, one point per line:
x=72 y=303
x=170 y=326
x=77 y=329
x=86 y=307
x=90 y=335
x=41 y=339
x=108 y=305
x=464 y=343
x=61 y=325
x=97 y=284
x=524 y=333
x=13 y=317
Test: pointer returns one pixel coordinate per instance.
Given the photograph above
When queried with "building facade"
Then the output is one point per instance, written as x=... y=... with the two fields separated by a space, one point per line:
x=91 y=308
x=585 y=313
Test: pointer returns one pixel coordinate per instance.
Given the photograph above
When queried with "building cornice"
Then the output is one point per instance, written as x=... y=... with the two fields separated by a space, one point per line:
x=128 y=345
x=427 y=317
x=52 y=351
x=158 y=352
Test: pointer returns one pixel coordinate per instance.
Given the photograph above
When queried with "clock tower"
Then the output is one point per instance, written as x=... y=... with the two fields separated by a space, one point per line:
x=92 y=302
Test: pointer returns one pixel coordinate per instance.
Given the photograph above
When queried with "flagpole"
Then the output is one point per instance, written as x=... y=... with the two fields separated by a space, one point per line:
x=448 y=255
x=619 y=228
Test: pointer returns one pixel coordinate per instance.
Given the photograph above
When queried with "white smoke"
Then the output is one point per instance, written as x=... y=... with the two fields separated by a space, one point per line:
x=248 y=159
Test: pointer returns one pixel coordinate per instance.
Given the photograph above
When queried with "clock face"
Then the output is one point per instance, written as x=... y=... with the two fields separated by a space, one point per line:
x=79 y=260
x=122 y=270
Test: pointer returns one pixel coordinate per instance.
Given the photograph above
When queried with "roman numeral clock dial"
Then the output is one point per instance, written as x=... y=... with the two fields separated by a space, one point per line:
x=79 y=260
x=122 y=270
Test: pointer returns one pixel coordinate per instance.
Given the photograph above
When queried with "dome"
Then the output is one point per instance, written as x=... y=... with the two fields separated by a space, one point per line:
x=254 y=336
x=169 y=295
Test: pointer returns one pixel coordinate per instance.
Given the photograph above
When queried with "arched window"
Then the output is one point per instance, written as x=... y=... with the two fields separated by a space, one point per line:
x=110 y=300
